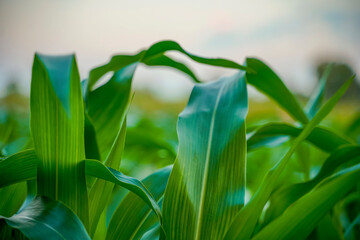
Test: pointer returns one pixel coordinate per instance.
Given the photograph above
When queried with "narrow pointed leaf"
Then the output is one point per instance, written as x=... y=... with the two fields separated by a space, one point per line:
x=303 y=216
x=270 y=134
x=317 y=97
x=283 y=198
x=206 y=187
x=45 y=219
x=266 y=81
x=243 y=225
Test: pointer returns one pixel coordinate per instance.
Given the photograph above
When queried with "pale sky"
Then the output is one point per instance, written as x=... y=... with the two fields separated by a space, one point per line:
x=291 y=36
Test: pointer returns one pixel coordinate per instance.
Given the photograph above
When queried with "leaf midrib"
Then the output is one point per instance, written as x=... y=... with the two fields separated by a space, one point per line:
x=206 y=170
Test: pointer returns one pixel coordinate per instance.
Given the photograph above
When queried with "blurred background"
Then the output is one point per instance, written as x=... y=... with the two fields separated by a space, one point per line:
x=296 y=38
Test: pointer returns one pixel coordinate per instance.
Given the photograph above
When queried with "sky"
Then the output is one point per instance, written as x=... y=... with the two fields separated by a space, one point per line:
x=291 y=36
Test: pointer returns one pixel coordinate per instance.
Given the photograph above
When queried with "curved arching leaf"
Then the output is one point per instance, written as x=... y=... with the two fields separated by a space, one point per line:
x=131 y=215
x=97 y=169
x=265 y=80
x=302 y=217
x=271 y=133
x=45 y=219
x=283 y=198
x=206 y=187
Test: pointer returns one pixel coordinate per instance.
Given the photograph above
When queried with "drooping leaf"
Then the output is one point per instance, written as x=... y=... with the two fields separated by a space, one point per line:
x=131 y=214
x=270 y=134
x=97 y=169
x=243 y=225
x=45 y=219
x=57 y=127
x=266 y=81
x=206 y=187
x=303 y=216
x=18 y=168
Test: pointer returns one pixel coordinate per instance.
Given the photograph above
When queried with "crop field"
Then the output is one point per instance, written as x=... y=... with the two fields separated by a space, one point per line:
x=91 y=159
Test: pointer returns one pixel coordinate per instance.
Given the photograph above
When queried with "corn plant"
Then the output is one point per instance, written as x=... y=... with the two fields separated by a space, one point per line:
x=61 y=187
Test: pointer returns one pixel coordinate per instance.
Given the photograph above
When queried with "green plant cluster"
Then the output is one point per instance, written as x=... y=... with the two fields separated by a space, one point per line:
x=62 y=185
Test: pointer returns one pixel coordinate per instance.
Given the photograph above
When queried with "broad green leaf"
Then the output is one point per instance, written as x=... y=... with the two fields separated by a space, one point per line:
x=46 y=219
x=97 y=169
x=317 y=97
x=303 y=216
x=284 y=197
x=132 y=213
x=266 y=81
x=18 y=168
x=243 y=225
x=270 y=134
x=57 y=128
x=206 y=187
x=100 y=193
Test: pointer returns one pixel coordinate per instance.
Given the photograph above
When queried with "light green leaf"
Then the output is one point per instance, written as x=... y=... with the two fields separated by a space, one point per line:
x=132 y=214
x=243 y=225
x=18 y=168
x=97 y=169
x=206 y=187
x=270 y=134
x=303 y=216
x=45 y=219
x=284 y=197
x=57 y=127
x=266 y=81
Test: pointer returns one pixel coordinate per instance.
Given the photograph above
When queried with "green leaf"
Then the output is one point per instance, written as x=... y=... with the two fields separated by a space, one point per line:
x=303 y=216
x=131 y=215
x=154 y=56
x=266 y=81
x=243 y=225
x=108 y=113
x=46 y=219
x=12 y=198
x=97 y=169
x=284 y=197
x=18 y=168
x=317 y=97
x=57 y=127
x=100 y=193
x=206 y=187
x=270 y=134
